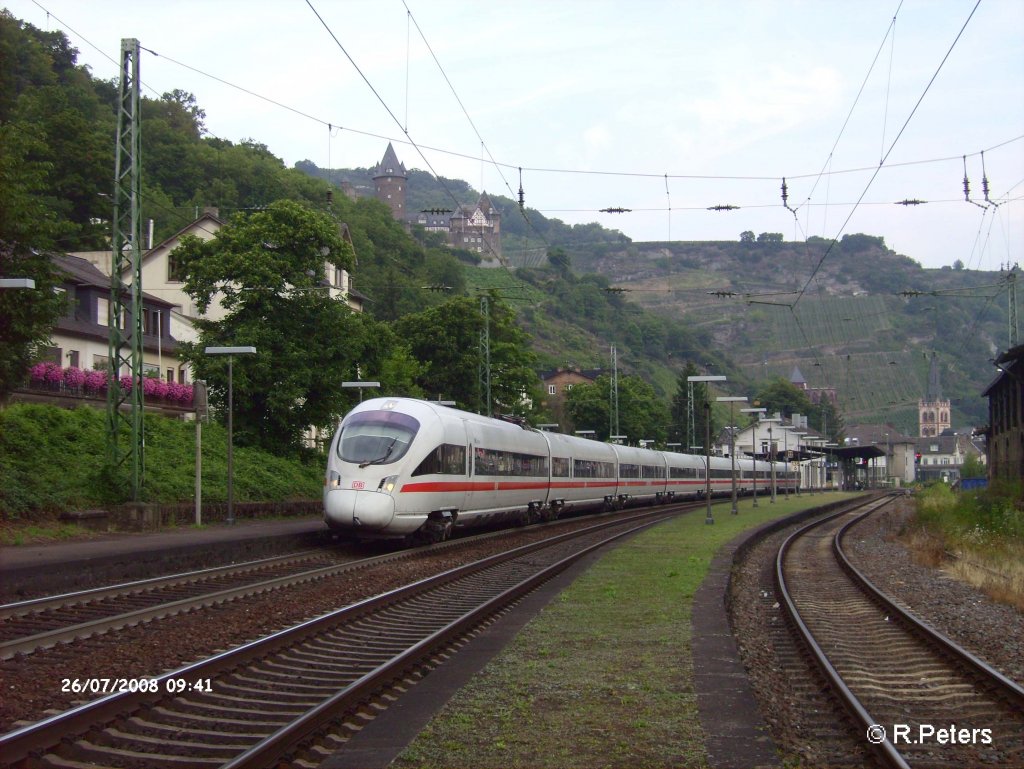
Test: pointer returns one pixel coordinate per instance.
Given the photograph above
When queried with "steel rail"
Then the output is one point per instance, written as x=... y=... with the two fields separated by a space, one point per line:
x=69 y=633
x=39 y=737
x=46 y=603
x=886 y=751
x=1009 y=687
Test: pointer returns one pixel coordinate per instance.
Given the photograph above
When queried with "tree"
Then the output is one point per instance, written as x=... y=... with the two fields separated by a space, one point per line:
x=783 y=397
x=27 y=316
x=642 y=416
x=560 y=260
x=268 y=271
x=787 y=399
x=27 y=230
x=680 y=414
x=446 y=340
x=747 y=237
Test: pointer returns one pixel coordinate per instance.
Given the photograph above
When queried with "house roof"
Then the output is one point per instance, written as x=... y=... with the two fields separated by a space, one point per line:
x=206 y=218
x=880 y=434
x=1011 y=364
x=587 y=373
x=390 y=165
x=82 y=272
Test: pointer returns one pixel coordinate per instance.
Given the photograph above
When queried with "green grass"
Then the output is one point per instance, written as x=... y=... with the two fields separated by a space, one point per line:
x=604 y=675
x=52 y=460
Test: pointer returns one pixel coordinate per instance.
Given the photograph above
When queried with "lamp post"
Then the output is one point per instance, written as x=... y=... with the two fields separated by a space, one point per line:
x=708 y=519
x=800 y=474
x=361 y=386
x=771 y=452
x=828 y=454
x=753 y=442
x=17 y=283
x=547 y=426
x=690 y=380
x=585 y=433
x=732 y=401
x=231 y=352
x=785 y=453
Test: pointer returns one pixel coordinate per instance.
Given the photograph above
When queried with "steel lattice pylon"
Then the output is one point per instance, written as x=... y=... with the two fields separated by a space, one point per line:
x=125 y=408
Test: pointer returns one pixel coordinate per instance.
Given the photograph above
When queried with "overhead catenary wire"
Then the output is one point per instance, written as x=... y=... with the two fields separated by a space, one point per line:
x=543 y=169
x=889 y=151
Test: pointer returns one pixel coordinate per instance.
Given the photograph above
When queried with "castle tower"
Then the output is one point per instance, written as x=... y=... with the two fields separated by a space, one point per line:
x=933 y=411
x=391 y=179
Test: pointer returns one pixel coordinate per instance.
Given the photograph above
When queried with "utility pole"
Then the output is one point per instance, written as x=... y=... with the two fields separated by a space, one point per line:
x=485 y=355
x=613 y=395
x=1011 y=283
x=125 y=409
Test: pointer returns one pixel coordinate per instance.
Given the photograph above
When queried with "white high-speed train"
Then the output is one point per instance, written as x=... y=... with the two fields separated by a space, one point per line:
x=399 y=467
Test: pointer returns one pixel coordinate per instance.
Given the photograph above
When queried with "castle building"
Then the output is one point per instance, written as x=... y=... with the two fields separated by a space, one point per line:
x=933 y=410
x=390 y=181
x=814 y=394
x=475 y=228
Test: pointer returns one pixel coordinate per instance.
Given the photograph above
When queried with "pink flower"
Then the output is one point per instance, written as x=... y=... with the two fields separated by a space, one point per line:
x=74 y=377
x=95 y=381
x=154 y=388
x=52 y=373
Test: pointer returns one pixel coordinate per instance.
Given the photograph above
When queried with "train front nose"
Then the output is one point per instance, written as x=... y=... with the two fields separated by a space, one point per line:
x=358 y=509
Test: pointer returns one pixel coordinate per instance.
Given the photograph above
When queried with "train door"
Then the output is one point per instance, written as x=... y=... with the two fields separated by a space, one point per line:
x=480 y=491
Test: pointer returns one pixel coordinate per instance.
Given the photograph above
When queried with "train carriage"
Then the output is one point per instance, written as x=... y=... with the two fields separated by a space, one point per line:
x=642 y=475
x=583 y=473
x=399 y=467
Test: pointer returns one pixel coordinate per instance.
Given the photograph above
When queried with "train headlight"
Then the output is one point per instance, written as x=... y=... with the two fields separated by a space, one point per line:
x=333 y=480
x=387 y=485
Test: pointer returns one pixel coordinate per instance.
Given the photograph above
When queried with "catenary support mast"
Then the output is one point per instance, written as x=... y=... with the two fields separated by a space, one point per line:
x=124 y=405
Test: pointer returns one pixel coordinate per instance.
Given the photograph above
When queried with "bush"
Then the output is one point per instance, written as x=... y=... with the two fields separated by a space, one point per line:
x=973 y=517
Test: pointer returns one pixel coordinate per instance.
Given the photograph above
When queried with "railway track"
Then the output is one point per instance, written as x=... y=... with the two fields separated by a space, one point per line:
x=919 y=699
x=27 y=626
x=296 y=694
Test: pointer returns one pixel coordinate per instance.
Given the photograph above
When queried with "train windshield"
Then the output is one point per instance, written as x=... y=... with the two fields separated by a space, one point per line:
x=376 y=437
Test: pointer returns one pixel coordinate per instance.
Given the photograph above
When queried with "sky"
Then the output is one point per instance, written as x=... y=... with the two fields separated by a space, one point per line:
x=663 y=107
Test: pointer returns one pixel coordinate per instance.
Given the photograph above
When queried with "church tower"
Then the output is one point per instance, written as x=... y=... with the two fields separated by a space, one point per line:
x=391 y=180
x=933 y=410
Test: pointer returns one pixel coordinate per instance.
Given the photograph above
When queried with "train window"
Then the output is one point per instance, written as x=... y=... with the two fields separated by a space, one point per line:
x=683 y=472
x=376 y=437
x=560 y=467
x=494 y=462
x=446 y=459
x=629 y=471
x=653 y=471
x=589 y=468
